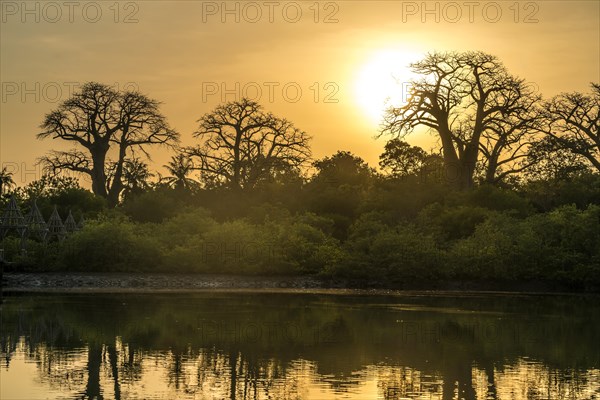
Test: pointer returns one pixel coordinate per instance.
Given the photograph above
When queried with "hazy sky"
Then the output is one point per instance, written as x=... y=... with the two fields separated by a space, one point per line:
x=326 y=66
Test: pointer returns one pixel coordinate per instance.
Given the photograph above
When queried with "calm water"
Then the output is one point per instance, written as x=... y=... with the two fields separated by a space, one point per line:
x=299 y=346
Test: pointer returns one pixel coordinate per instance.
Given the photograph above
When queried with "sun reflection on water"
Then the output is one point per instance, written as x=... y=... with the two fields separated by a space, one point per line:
x=42 y=372
x=78 y=347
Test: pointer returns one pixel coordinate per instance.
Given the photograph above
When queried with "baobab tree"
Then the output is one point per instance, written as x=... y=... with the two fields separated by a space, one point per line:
x=463 y=97
x=102 y=122
x=505 y=143
x=241 y=145
x=573 y=122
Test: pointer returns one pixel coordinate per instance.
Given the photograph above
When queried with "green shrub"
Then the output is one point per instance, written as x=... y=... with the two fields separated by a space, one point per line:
x=494 y=198
x=449 y=223
x=378 y=252
x=306 y=248
x=501 y=248
x=559 y=246
x=153 y=206
x=241 y=247
x=110 y=245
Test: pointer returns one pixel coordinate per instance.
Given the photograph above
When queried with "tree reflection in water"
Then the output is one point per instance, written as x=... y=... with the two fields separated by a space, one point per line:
x=301 y=346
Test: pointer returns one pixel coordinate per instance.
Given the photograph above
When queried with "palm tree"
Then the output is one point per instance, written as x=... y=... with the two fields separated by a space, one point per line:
x=180 y=167
x=6 y=180
x=135 y=176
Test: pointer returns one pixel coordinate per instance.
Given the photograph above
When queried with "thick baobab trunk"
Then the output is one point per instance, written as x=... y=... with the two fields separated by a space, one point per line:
x=469 y=165
x=98 y=175
x=457 y=171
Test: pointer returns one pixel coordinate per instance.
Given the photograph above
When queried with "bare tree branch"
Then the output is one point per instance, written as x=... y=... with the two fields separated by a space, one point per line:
x=241 y=145
x=100 y=119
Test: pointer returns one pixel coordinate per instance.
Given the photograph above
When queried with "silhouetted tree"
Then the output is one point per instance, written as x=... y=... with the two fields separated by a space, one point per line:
x=573 y=121
x=505 y=143
x=48 y=186
x=136 y=176
x=464 y=97
x=6 y=180
x=549 y=161
x=401 y=159
x=180 y=167
x=240 y=144
x=98 y=119
x=342 y=168
x=338 y=188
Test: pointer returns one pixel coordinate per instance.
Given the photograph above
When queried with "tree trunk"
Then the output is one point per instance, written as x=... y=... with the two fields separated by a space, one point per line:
x=490 y=173
x=453 y=167
x=98 y=175
x=236 y=166
x=113 y=196
x=116 y=185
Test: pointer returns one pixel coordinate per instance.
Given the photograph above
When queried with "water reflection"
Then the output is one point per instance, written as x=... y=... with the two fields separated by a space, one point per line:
x=299 y=346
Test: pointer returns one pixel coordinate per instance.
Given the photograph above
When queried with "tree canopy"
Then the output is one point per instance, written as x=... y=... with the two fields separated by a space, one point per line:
x=241 y=145
x=98 y=119
x=473 y=105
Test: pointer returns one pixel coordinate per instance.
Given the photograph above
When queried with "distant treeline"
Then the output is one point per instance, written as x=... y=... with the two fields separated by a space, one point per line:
x=346 y=224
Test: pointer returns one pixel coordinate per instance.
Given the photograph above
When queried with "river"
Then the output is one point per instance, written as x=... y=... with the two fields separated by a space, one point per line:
x=293 y=345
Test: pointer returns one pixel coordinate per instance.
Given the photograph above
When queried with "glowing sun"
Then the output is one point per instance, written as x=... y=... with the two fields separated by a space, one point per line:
x=382 y=81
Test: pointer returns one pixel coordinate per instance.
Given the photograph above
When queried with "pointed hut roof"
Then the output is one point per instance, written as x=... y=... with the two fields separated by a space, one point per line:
x=35 y=222
x=70 y=225
x=56 y=227
x=12 y=219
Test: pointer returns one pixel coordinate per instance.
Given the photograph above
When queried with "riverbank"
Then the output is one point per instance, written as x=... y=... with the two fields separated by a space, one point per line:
x=141 y=282
x=145 y=281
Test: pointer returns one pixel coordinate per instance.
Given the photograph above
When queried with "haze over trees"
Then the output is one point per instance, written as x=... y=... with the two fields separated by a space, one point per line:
x=511 y=193
x=400 y=159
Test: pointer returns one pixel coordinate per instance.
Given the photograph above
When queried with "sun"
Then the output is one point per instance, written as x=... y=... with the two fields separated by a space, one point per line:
x=382 y=81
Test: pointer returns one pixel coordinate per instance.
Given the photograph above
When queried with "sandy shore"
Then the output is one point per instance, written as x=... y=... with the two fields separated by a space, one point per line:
x=144 y=281
x=67 y=282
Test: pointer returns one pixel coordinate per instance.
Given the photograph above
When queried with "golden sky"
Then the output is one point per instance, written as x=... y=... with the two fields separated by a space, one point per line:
x=323 y=65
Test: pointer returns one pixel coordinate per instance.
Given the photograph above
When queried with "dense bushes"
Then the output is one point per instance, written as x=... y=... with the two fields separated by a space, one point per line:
x=562 y=245
x=110 y=245
x=367 y=231
x=191 y=241
x=454 y=243
x=377 y=252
